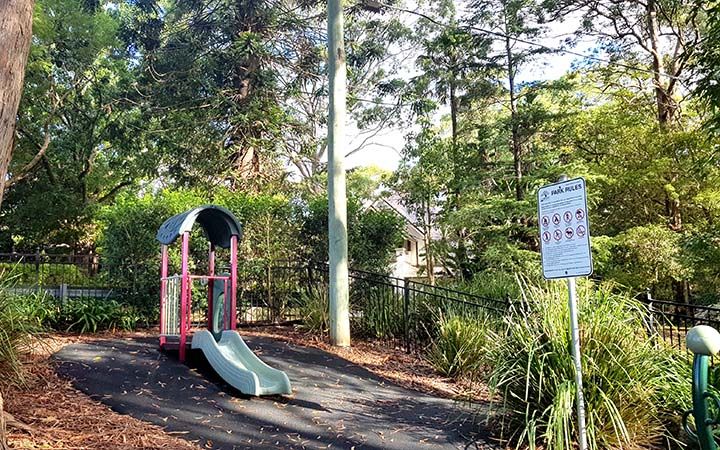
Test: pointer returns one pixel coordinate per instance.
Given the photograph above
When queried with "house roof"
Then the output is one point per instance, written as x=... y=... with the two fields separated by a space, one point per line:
x=394 y=203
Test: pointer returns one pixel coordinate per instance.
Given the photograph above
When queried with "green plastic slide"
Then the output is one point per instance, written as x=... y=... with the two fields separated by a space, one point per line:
x=233 y=360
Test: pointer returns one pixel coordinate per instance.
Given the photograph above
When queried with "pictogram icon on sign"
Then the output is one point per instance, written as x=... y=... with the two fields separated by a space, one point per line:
x=579 y=214
x=567 y=216
x=545 y=221
x=558 y=235
x=581 y=231
x=556 y=219
x=569 y=233
x=546 y=236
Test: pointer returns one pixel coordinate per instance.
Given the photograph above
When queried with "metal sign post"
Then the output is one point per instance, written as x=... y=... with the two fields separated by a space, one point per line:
x=575 y=336
x=565 y=250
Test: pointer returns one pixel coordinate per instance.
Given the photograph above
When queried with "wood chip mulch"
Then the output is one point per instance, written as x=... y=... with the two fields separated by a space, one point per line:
x=407 y=370
x=64 y=418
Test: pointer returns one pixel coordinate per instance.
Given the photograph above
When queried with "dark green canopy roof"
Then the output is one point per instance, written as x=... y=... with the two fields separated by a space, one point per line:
x=218 y=223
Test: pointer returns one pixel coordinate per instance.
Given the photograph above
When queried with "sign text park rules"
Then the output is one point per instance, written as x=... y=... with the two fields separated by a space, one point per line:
x=564 y=230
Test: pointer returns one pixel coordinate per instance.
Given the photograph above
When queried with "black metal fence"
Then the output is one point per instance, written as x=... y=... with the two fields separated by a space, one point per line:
x=399 y=312
x=671 y=321
x=402 y=313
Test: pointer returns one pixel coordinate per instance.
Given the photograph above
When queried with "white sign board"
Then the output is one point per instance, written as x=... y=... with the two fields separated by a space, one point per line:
x=564 y=230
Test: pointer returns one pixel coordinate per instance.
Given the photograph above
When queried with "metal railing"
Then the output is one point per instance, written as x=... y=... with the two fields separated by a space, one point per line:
x=671 y=321
x=402 y=313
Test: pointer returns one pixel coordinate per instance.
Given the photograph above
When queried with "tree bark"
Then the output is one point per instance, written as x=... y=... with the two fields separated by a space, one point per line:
x=15 y=35
x=514 y=127
x=663 y=98
x=3 y=438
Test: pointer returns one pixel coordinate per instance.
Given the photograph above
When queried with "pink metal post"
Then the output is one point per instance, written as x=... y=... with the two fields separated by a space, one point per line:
x=163 y=291
x=184 y=294
x=211 y=284
x=233 y=281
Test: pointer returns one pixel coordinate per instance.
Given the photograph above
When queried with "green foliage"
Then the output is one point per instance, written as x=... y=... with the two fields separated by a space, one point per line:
x=38 y=309
x=641 y=258
x=46 y=274
x=634 y=391
x=315 y=308
x=459 y=348
x=490 y=284
x=373 y=234
x=128 y=245
x=700 y=253
x=16 y=330
x=92 y=315
x=80 y=136
x=379 y=310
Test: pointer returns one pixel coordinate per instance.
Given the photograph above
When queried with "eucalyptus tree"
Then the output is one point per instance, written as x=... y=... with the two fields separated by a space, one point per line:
x=15 y=34
x=79 y=138
x=660 y=37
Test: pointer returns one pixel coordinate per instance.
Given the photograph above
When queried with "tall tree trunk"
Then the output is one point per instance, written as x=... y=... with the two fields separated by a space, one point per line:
x=454 y=103
x=514 y=127
x=15 y=36
x=3 y=438
x=663 y=98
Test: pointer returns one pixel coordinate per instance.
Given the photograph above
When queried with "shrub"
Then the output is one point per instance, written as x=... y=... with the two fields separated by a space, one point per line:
x=458 y=350
x=378 y=311
x=634 y=390
x=90 y=315
x=38 y=309
x=643 y=257
x=15 y=330
x=315 y=308
x=373 y=235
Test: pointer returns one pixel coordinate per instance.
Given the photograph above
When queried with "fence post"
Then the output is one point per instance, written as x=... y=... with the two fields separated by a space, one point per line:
x=406 y=312
x=651 y=309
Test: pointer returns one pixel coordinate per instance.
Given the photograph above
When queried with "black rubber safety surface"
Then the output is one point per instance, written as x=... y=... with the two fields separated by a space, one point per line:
x=335 y=403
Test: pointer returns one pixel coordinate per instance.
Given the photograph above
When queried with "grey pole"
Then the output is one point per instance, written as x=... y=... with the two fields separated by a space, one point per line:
x=575 y=337
x=337 y=200
x=575 y=341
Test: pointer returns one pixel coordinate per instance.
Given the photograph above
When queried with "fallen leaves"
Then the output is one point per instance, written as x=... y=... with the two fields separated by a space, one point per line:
x=64 y=418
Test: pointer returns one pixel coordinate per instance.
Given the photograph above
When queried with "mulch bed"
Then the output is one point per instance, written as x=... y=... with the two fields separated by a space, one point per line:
x=63 y=418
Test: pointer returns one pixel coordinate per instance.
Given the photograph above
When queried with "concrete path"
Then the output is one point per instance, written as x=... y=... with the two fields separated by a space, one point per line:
x=335 y=403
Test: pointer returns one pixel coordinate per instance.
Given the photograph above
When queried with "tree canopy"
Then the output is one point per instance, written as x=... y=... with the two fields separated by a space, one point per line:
x=126 y=102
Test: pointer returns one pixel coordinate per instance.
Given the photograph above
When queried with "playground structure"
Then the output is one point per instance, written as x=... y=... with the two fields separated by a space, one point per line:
x=226 y=351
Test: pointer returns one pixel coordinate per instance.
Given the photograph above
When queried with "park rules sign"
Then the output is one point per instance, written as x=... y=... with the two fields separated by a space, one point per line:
x=564 y=230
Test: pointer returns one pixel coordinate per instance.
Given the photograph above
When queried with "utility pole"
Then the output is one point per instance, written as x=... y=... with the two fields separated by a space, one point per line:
x=337 y=195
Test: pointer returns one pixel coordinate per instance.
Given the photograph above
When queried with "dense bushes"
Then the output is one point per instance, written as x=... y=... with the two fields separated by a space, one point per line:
x=373 y=234
x=42 y=312
x=275 y=228
x=635 y=387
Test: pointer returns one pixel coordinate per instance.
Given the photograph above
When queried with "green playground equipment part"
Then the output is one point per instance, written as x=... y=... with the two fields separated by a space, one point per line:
x=233 y=360
x=704 y=342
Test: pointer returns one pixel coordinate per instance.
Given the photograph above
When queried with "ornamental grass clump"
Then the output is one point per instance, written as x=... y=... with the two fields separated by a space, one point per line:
x=459 y=348
x=635 y=388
